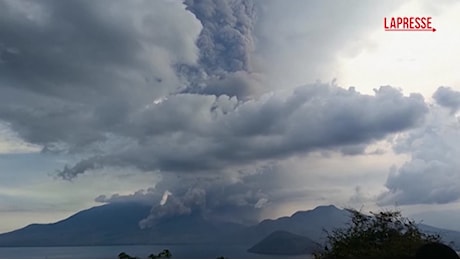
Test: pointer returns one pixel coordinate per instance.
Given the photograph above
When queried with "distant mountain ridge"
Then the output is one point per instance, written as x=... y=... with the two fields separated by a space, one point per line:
x=284 y=243
x=87 y=227
x=118 y=224
x=309 y=223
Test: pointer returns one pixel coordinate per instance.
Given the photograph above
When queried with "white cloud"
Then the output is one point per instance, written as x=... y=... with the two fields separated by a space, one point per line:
x=414 y=61
x=431 y=175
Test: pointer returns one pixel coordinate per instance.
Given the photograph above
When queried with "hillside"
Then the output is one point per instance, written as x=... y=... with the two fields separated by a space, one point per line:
x=284 y=243
x=107 y=224
x=309 y=223
x=118 y=223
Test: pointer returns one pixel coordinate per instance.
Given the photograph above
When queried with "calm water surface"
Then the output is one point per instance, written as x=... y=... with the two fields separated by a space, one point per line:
x=107 y=252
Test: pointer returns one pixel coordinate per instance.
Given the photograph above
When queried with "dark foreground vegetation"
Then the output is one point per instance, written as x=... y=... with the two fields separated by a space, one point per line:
x=165 y=254
x=382 y=235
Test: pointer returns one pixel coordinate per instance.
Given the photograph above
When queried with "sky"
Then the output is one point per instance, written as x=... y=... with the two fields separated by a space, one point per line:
x=241 y=110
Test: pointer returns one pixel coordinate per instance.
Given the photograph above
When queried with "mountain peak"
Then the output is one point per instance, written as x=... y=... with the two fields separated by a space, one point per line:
x=326 y=207
x=319 y=209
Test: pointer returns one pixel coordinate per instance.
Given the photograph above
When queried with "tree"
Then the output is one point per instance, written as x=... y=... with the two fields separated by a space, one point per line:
x=380 y=235
x=124 y=255
x=162 y=255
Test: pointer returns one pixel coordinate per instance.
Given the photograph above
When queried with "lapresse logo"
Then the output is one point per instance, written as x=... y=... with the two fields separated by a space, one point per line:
x=408 y=24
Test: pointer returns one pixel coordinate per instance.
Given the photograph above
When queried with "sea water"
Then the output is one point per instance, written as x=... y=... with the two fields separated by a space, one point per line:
x=141 y=251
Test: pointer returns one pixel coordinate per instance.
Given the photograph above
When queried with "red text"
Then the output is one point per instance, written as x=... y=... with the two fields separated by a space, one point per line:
x=407 y=23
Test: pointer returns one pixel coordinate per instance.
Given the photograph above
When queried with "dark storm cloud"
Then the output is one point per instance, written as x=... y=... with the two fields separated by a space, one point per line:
x=188 y=132
x=447 y=97
x=86 y=82
x=87 y=65
x=69 y=51
x=226 y=39
x=226 y=45
x=154 y=86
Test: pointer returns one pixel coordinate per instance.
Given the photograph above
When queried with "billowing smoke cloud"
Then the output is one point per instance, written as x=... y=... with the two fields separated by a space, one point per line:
x=447 y=97
x=431 y=176
x=148 y=197
x=79 y=69
x=226 y=44
x=206 y=138
x=164 y=198
x=225 y=197
x=104 y=82
x=93 y=163
x=261 y=203
x=193 y=200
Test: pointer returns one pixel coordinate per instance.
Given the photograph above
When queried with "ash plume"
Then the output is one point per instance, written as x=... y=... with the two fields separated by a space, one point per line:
x=171 y=205
x=226 y=41
x=225 y=45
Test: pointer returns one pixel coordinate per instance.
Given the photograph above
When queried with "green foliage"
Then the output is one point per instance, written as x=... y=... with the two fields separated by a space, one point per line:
x=381 y=235
x=165 y=254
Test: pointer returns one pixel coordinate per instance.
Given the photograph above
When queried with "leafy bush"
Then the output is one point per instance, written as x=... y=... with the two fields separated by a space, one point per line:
x=379 y=235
